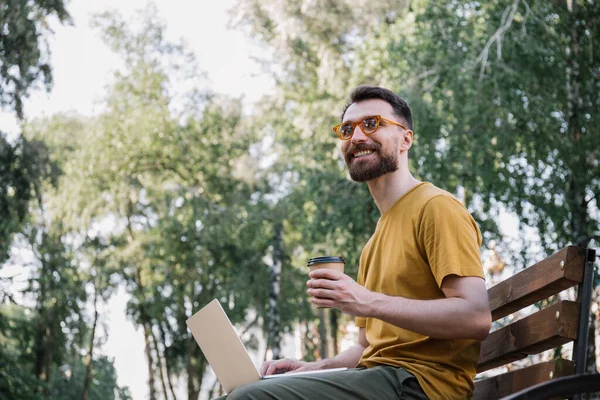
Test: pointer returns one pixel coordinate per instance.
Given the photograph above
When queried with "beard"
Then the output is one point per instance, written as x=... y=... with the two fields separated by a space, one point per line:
x=360 y=172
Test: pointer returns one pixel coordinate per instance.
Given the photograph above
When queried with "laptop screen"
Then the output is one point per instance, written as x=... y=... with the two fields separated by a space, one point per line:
x=222 y=347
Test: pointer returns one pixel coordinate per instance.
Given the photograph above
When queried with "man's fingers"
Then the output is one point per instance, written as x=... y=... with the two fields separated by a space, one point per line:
x=271 y=370
x=326 y=274
x=320 y=302
x=322 y=293
x=265 y=367
x=279 y=365
x=273 y=367
x=323 y=283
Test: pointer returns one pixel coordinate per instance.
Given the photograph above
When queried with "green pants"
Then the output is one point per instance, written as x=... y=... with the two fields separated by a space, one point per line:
x=381 y=382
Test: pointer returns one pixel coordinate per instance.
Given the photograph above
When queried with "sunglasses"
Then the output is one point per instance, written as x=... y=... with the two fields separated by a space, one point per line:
x=368 y=126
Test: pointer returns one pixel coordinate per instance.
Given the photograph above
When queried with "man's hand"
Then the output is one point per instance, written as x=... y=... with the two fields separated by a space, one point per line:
x=285 y=365
x=348 y=358
x=329 y=288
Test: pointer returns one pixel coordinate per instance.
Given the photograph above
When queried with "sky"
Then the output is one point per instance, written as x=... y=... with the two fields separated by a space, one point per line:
x=83 y=66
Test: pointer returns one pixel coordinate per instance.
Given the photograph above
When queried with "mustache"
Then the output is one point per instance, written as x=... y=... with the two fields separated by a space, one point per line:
x=361 y=147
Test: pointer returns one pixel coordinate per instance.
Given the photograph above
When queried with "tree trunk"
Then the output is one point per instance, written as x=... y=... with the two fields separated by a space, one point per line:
x=191 y=387
x=212 y=389
x=195 y=372
x=333 y=323
x=40 y=336
x=201 y=370
x=274 y=333
x=308 y=347
x=167 y=366
x=193 y=391
x=159 y=365
x=145 y=321
x=49 y=353
x=149 y=360
x=580 y=219
x=40 y=353
x=147 y=333
x=89 y=357
x=323 y=340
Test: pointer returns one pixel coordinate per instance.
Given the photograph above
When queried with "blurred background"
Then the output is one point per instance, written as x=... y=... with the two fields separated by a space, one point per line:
x=155 y=155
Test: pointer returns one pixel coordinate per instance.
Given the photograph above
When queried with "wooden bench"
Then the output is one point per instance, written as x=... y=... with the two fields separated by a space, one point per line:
x=561 y=322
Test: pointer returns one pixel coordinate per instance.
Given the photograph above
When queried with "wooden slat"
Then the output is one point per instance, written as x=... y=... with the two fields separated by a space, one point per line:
x=537 y=282
x=543 y=330
x=511 y=382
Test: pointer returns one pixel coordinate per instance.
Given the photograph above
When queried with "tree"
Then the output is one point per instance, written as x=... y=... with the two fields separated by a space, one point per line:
x=15 y=192
x=24 y=54
x=311 y=61
x=17 y=379
x=175 y=184
x=24 y=61
x=69 y=381
x=56 y=283
x=504 y=94
x=512 y=90
x=56 y=330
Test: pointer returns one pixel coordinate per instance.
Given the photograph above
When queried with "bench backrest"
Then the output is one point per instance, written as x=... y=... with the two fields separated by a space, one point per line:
x=559 y=323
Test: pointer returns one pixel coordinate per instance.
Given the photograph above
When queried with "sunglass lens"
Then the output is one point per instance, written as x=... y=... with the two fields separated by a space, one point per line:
x=370 y=124
x=346 y=130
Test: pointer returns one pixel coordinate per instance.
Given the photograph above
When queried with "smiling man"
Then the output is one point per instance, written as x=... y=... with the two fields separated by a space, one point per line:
x=420 y=299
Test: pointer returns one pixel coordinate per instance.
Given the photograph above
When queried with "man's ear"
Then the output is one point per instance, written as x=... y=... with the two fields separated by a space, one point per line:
x=406 y=141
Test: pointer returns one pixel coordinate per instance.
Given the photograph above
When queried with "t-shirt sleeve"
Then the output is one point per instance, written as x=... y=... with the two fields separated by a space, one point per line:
x=450 y=238
x=360 y=322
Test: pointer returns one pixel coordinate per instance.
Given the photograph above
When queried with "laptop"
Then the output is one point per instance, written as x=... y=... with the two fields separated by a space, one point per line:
x=225 y=351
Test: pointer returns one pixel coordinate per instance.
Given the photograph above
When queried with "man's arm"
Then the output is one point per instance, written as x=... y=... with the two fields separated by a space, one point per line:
x=348 y=358
x=464 y=312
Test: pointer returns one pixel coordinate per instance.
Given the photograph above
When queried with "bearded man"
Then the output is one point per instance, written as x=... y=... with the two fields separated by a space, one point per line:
x=420 y=300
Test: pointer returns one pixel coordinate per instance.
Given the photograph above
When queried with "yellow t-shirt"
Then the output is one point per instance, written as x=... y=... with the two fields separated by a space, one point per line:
x=425 y=236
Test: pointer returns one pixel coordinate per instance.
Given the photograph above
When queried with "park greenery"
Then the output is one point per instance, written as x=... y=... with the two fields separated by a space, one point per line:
x=182 y=196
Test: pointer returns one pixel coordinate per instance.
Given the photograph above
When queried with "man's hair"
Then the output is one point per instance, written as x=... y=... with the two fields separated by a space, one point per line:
x=399 y=105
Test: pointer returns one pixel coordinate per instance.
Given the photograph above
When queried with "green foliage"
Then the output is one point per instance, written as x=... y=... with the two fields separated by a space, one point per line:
x=17 y=380
x=17 y=356
x=15 y=193
x=504 y=96
x=313 y=56
x=178 y=189
x=511 y=89
x=177 y=195
x=68 y=381
x=23 y=52
x=24 y=168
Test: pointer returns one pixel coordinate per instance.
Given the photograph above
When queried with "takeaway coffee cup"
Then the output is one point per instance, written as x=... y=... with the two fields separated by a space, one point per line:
x=329 y=262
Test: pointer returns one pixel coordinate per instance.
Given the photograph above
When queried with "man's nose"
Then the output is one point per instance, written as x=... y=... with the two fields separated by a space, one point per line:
x=358 y=135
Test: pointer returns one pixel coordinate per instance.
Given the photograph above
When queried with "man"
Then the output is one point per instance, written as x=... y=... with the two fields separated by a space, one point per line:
x=420 y=299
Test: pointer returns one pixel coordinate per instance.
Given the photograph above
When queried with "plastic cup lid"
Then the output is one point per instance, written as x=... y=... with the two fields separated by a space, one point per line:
x=326 y=259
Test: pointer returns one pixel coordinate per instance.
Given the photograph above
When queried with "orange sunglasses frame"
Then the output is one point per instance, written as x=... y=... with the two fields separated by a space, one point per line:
x=378 y=119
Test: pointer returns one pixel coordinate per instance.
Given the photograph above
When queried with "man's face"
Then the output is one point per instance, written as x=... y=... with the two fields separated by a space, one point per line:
x=369 y=157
